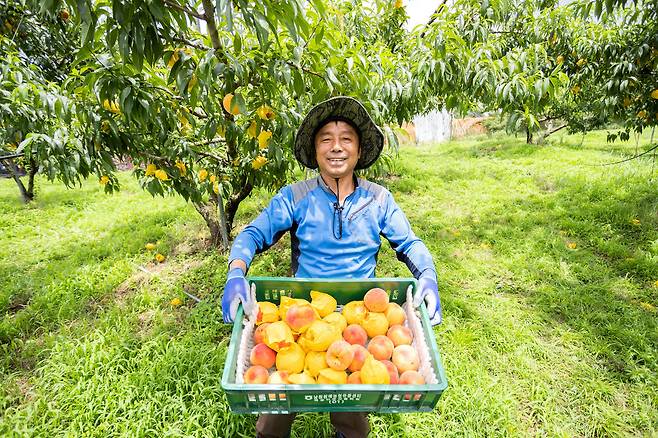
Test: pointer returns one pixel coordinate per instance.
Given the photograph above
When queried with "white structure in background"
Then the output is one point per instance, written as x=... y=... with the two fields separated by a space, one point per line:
x=437 y=125
x=433 y=127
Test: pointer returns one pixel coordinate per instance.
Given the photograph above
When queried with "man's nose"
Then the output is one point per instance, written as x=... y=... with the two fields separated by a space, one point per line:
x=336 y=146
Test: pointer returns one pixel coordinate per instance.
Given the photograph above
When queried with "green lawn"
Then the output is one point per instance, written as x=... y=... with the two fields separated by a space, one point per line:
x=548 y=267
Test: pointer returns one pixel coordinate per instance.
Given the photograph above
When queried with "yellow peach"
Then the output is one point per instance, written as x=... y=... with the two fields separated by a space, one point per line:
x=302 y=379
x=314 y=362
x=337 y=320
x=374 y=372
x=339 y=355
x=375 y=324
x=395 y=314
x=381 y=347
x=259 y=333
x=285 y=302
x=332 y=377
x=278 y=335
x=291 y=359
x=279 y=378
x=319 y=336
x=324 y=303
x=355 y=312
x=267 y=312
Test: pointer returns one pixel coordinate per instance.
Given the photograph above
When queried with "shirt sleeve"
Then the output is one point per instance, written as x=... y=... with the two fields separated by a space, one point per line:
x=408 y=247
x=266 y=229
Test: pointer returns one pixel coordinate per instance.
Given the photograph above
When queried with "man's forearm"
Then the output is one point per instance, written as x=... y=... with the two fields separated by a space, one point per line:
x=237 y=263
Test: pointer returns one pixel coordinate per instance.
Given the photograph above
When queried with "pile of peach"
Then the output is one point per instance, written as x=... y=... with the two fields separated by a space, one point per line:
x=305 y=343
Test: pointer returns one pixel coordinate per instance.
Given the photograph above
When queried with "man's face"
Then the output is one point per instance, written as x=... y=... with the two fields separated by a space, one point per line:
x=337 y=149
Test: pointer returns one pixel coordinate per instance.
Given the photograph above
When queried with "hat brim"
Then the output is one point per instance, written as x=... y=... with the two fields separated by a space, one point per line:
x=371 y=137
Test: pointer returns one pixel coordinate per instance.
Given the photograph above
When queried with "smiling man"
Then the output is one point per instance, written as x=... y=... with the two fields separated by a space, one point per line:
x=336 y=222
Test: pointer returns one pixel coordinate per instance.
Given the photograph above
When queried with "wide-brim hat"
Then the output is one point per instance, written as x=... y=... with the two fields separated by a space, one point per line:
x=371 y=138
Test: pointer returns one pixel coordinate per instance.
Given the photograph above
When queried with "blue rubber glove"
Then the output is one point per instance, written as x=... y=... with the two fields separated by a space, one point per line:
x=236 y=290
x=428 y=291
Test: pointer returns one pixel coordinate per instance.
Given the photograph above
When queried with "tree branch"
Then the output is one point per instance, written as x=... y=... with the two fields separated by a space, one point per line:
x=184 y=9
x=209 y=16
x=191 y=43
x=434 y=15
x=304 y=69
x=631 y=158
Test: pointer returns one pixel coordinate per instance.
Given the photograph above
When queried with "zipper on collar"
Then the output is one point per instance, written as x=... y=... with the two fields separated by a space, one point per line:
x=360 y=208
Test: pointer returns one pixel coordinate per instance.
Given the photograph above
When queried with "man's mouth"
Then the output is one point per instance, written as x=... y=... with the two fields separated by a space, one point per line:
x=337 y=160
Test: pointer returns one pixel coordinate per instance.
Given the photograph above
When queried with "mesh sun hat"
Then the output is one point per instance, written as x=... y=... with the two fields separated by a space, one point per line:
x=371 y=138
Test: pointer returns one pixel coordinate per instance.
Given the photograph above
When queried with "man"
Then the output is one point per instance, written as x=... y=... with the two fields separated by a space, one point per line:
x=335 y=221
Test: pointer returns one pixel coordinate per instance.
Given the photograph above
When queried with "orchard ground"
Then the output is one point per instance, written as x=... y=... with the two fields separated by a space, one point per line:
x=548 y=268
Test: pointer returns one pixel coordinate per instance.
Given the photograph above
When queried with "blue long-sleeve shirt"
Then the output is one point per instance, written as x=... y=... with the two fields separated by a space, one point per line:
x=330 y=243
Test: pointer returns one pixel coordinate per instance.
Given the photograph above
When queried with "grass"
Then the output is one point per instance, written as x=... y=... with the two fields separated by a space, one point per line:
x=548 y=267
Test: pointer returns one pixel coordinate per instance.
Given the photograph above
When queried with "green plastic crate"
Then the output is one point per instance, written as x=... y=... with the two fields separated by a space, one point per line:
x=250 y=398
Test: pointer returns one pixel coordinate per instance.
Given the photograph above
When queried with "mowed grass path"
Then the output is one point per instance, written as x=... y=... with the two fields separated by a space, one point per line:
x=548 y=268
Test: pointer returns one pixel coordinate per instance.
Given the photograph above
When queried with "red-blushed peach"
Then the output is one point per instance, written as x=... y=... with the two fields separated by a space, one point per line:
x=411 y=377
x=354 y=378
x=279 y=378
x=381 y=347
x=339 y=355
x=354 y=312
x=259 y=333
x=392 y=371
x=405 y=358
x=395 y=314
x=375 y=324
x=376 y=299
x=332 y=377
x=262 y=355
x=360 y=354
x=355 y=334
x=300 y=317
x=256 y=374
x=374 y=372
x=400 y=335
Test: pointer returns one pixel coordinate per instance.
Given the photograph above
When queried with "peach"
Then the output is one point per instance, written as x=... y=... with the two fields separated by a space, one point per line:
x=376 y=299
x=267 y=312
x=259 y=333
x=285 y=302
x=354 y=378
x=300 y=317
x=381 y=347
x=374 y=372
x=262 y=355
x=411 y=377
x=355 y=312
x=279 y=378
x=278 y=336
x=256 y=374
x=291 y=359
x=392 y=371
x=339 y=355
x=332 y=377
x=355 y=334
x=395 y=314
x=405 y=358
x=314 y=362
x=375 y=324
x=301 y=379
x=324 y=303
x=337 y=320
x=400 y=335
x=319 y=336
x=360 y=354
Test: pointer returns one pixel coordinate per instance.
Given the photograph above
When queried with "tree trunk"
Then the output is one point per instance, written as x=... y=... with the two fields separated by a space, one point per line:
x=528 y=136
x=34 y=168
x=234 y=202
x=26 y=195
x=208 y=211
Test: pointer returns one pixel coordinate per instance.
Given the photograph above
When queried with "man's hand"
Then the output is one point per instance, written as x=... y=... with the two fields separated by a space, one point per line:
x=236 y=290
x=428 y=291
